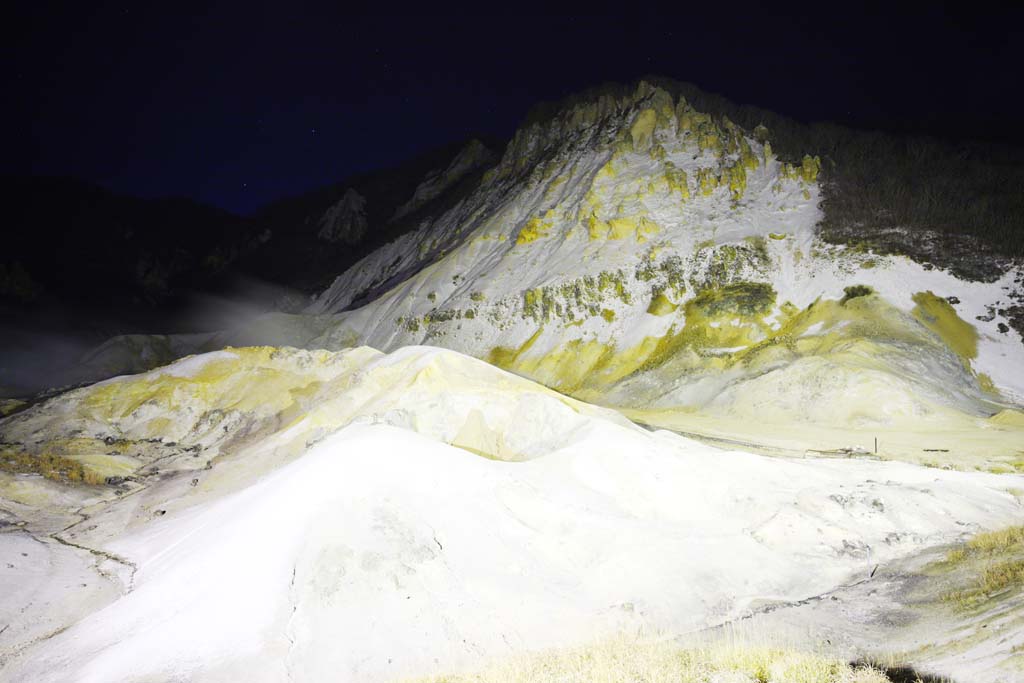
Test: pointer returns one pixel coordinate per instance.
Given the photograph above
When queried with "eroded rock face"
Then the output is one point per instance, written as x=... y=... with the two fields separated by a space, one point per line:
x=200 y=408
x=635 y=251
x=345 y=221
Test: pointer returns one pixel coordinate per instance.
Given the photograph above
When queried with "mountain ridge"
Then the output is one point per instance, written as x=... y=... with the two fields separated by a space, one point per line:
x=711 y=191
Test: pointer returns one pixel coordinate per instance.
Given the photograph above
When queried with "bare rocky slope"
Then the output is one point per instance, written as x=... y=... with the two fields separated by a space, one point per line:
x=277 y=514
x=620 y=379
x=634 y=251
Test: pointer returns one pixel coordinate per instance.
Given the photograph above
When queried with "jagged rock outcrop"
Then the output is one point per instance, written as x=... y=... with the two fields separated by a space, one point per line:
x=345 y=221
x=473 y=156
x=637 y=252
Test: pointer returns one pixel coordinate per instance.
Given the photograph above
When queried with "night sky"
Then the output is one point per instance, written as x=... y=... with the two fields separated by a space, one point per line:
x=237 y=104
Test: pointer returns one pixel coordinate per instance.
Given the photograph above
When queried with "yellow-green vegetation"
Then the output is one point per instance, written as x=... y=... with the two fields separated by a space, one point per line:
x=50 y=465
x=990 y=543
x=9 y=406
x=866 y=171
x=477 y=296
x=668 y=272
x=938 y=315
x=810 y=167
x=996 y=562
x=728 y=261
x=725 y=317
x=583 y=296
x=729 y=316
x=73 y=459
x=415 y=324
x=857 y=323
x=661 y=305
x=630 y=660
x=741 y=298
x=854 y=291
x=725 y=326
x=807 y=171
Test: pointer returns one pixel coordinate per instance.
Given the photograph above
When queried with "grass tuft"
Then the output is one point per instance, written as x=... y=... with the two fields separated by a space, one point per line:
x=627 y=660
x=855 y=291
x=49 y=465
x=999 y=560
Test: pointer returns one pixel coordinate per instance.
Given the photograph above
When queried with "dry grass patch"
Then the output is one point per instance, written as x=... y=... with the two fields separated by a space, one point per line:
x=626 y=660
x=49 y=465
x=999 y=560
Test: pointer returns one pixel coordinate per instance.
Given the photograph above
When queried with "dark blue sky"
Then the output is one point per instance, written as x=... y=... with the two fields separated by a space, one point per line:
x=237 y=104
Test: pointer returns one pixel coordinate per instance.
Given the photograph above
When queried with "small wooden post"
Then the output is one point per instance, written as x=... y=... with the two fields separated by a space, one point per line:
x=876 y=445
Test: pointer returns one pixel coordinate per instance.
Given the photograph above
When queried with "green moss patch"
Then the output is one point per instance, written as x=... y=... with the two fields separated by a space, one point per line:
x=741 y=298
x=854 y=291
x=9 y=406
x=661 y=305
x=49 y=465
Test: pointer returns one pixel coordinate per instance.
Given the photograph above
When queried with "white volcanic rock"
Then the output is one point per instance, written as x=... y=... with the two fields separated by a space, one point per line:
x=635 y=252
x=350 y=540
